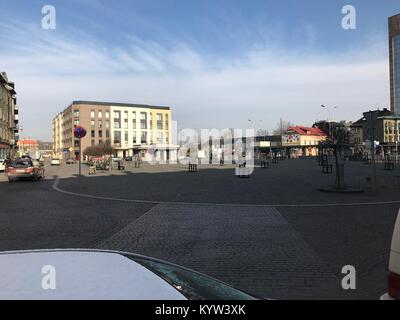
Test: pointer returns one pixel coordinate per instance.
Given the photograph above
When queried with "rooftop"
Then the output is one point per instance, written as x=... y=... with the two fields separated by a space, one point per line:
x=307 y=131
x=118 y=104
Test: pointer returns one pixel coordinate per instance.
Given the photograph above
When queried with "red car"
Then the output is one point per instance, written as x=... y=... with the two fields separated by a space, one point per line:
x=25 y=168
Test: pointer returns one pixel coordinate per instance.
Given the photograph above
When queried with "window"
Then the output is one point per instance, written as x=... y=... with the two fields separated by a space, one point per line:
x=117 y=137
x=100 y=125
x=76 y=143
x=166 y=122
x=117 y=125
x=92 y=114
x=76 y=123
x=100 y=115
x=126 y=123
x=108 y=124
x=117 y=115
x=92 y=124
x=159 y=137
x=107 y=133
x=126 y=137
x=76 y=113
x=143 y=137
x=159 y=121
x=93 y=143
x=134 y=137
x=143 y=121
x=92 y=134
x=100 y=134
x=107 y=115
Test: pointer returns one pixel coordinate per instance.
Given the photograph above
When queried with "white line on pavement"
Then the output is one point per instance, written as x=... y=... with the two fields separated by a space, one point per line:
x=315 y=205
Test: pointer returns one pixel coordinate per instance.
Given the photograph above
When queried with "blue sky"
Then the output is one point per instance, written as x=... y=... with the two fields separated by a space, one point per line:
x=216 y=63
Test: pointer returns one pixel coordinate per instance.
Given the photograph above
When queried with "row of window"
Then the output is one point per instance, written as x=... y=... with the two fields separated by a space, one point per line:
x=117 y=137
x=161 y=125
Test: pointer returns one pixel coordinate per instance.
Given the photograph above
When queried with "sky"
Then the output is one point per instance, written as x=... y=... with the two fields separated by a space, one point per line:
x=216 y=63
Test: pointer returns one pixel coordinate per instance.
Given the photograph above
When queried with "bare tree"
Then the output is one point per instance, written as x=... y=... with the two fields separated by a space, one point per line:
x=99 y=150
x=282 y=127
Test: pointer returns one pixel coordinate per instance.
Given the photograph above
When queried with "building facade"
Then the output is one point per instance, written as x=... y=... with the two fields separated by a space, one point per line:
x=8 y=117
x=394 y=62
x=302 y=141
x=129 y=128
x=57 y=136
x=28 y=147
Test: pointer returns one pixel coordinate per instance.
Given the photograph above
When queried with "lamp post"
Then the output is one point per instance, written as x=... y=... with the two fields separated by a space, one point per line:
x=372 y=138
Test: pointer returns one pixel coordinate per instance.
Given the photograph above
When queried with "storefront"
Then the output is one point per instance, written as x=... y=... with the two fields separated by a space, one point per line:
x=4 y=150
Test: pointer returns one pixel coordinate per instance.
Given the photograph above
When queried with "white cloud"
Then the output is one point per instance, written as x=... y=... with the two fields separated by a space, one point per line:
x=51 y=69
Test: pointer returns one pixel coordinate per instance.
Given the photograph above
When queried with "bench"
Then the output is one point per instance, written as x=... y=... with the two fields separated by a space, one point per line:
x=327 y=168
x=264 y=164
x=242 y=172
x=192 y=167
x=389 y=165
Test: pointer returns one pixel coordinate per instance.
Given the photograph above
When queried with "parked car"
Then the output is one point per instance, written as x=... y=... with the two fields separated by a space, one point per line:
x=25 y=168
x=394 y=266
x=2 y=165
x=100 y=275
x=70 y=161
x=55 y=162
x=129 y=158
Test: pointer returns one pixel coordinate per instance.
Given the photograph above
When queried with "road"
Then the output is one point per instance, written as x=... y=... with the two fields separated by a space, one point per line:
x=243 y=235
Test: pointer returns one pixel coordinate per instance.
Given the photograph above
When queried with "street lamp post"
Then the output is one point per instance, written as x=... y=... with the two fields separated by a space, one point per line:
x=372 y=138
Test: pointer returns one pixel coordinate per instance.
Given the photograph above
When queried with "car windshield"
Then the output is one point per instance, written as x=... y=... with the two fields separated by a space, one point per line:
x=22 y=163
x=191 y=284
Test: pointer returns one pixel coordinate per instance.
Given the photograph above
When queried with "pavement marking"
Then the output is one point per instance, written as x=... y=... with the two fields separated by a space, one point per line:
x=312 y=205
x=226 y=247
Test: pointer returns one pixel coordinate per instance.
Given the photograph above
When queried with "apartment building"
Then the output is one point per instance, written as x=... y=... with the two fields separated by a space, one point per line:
x=129 y=128
x=57 y=135
x=8 y=117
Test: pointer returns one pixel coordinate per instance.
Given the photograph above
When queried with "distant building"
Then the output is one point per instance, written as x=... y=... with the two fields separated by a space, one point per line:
x=8 y=117
x=28 y=147
x=299 y=141
x=377 y=125
x=129 y=128
x=58 y=146
x=394 y=62
x=267 y=144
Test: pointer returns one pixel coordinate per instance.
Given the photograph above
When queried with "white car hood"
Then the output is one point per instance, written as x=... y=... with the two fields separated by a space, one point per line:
x=80 y=275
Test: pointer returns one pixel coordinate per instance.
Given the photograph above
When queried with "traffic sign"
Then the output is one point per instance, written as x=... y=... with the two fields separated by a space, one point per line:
x=79 y=132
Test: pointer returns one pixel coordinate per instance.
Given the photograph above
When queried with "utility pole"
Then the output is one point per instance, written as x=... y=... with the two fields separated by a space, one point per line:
x=372 y=138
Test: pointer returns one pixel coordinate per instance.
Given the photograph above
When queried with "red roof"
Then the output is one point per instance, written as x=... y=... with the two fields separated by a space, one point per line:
x=27 y=142
x=307 y=131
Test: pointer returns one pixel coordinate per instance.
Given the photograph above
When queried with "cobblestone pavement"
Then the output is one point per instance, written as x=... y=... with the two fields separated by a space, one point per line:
x=255 y=249
x=276 y=252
